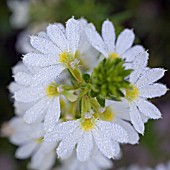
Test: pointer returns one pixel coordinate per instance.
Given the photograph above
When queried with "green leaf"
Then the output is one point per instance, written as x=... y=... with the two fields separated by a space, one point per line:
x=86 y=78
x=101 y=101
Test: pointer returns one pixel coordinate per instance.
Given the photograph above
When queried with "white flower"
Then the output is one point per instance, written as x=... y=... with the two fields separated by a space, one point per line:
x=20 y=16
x=116 y=112
x=45 y=99
x=143 y=87
x=96 y=162
x=29 y=138
x=67 y=47
x=20 y=107
x=106 y=135
x=57 y=49
x=107 y=45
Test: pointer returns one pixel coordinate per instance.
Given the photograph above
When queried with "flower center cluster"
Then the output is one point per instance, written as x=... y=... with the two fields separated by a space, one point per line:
x=107 y=115
x=132 y=94
x=87 y=124
x=52 y=90
x=113 y=55
x=66 y=58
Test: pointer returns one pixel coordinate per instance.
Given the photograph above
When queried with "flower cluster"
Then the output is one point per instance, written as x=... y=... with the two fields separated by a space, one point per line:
x=82 y=94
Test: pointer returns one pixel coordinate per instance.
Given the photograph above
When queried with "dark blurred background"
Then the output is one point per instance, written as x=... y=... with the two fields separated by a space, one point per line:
x=150 y=20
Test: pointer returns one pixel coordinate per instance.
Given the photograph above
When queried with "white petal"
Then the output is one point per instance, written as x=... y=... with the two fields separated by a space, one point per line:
x=29 y=94
x=61 y=131
x=47 y=74
x=23 y=78
x=132 y=133
x=52 y=115
x=39 y=60
x=113 y=130
x=43 y=35
x=150 y=76
x=57 y=36
x=134 y=76
x=120 y=109
x=130 y=54
x=108 y=34
x=42 y=161
x=36 y=131
x=13 y=87
x=36 y=112
x=95 y=39
x=19 y=138
x=44 y=46
x=136 y=118
x=19 y=67
x=68 y=144
x=26 y=150
x=124 y=41
x=73 y=34
x=154 y=90
x=141 y=61
x=104 y=143
x=148 y=109
x=47 y=147
x=84 y=147
x=20 y=107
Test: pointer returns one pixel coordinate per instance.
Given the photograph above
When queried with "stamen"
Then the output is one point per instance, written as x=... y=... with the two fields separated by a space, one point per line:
x=52 y=90
x=132 y=94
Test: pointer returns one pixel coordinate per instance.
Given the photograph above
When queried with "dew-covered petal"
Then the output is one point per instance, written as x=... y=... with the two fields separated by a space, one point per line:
x=104 y=143
x=130 y=54
x=36 y=112
x=53 y=114
x=95 y=39
x=67 y=145
x=61 y=131
x=47 y=75
x=153 y=90
x=141 y=61
x=84 y=146
x=44 y=46
x=23 y=78
x=134 y=76
x=108 y=34
x=113 y=130
x=43 y=35
x=29 y=94
x=120 y=109
x=124 y=41
x=58 y=36
x=73 y=34
x=150 y=76
x=148 y=109
x=132 y=133
x=39 y=60
x=26 y=150
x=136 y=118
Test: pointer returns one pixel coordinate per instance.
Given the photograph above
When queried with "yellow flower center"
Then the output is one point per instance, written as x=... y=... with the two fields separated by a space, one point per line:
x=132 y=94
x=39 y=140
x=52 y=90
x=87 y=124
x=66 y=58
x=113 y=55
x=107 y=115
